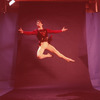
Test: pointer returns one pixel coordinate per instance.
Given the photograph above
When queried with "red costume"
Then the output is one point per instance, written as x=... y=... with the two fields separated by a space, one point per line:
x=42 y=35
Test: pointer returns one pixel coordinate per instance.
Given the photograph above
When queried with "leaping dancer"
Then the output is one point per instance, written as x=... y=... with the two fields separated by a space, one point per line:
x=44 y=41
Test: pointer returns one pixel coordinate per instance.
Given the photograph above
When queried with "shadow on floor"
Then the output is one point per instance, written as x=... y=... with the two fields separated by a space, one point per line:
x=51 y=94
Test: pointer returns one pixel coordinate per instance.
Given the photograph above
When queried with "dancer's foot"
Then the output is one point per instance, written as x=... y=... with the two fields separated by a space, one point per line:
x=69 y=59
x=49 y=55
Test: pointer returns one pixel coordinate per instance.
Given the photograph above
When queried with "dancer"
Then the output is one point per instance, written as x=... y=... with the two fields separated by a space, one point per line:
x=44 y=41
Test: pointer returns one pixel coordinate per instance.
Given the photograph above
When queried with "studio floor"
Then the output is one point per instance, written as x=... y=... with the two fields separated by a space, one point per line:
x=52 y=94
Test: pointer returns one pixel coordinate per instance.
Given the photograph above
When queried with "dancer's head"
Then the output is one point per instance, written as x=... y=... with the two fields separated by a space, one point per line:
x=39 y=23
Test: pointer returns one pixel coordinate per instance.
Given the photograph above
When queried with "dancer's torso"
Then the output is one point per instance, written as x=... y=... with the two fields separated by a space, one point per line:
x=42 y=35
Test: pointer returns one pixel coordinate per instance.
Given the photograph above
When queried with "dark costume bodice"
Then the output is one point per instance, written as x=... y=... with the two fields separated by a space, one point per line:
x=42 y=35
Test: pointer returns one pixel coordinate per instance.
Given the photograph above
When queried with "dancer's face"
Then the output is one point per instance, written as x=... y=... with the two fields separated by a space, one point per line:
x=39 y=24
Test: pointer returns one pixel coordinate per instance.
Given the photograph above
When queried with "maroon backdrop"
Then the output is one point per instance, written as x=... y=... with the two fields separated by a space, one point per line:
x=51 y=72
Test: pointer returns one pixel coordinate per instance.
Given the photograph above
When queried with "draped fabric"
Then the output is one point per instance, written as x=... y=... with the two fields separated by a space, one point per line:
x=8 y=44
x=93 y=47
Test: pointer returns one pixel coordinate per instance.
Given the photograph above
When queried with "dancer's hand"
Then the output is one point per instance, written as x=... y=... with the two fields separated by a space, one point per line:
x=64 y=29
x=20 y=30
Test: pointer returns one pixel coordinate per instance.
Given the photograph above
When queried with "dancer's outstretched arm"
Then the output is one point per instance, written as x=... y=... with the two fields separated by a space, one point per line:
x=27 y=32
x=57 y=31
x=21 y=30
x=64 y=29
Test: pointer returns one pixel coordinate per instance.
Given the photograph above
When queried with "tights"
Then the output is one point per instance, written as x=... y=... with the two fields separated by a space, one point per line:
x=46 y=45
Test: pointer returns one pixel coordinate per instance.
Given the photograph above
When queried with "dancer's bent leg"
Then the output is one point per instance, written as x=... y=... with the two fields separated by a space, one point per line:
x=53 y=49
x=41 y=50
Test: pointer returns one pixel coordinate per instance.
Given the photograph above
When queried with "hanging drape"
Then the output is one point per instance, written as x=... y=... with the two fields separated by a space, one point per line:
x=93 y=47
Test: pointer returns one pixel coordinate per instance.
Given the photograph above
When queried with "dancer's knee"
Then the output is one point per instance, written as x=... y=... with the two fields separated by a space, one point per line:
x=39 y=56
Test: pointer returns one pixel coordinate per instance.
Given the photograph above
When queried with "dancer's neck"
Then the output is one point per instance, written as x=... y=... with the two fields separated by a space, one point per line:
x=40 y=28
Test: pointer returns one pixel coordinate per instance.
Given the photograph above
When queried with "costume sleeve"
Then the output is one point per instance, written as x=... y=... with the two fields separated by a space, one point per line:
x=30 y=33
x=53 y=31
